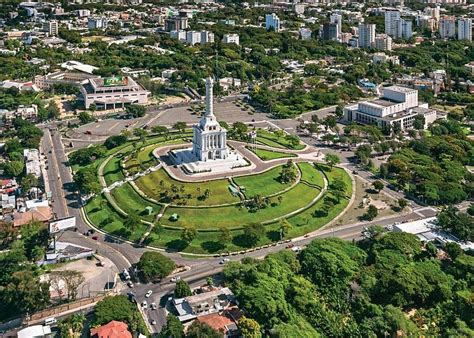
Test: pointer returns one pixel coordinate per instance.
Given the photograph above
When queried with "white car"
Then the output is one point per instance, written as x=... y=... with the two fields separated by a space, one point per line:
x=296 y=249
x=148 y=293
x=175 y=279
x=153 y=306
x=225 y=260
x=145 y=305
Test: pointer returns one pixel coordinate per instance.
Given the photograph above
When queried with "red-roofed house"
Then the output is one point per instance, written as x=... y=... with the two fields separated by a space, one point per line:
x=220 y=322
x=113 y=329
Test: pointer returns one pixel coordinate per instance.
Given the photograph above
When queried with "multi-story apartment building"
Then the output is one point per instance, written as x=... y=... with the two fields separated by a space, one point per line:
x=447 y=26
x=272 y=22
x=465 y=29
x=366 y=35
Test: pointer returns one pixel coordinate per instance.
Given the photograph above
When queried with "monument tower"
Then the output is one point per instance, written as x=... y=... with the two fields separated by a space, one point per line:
x=209 y=138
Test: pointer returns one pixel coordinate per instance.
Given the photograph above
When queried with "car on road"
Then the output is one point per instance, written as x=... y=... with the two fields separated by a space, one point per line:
x=289 y=246
x=153 y=322
x=130 y=284
x=153 y=306
x=296 y=249
x=148 y=293
x=225 y=260
x=145 y=304
x=175 y=279
x=95 y=238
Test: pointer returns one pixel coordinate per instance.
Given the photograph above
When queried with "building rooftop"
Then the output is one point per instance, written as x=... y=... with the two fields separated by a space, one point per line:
x=400 y=89
x=113 y=329
x=382 y=102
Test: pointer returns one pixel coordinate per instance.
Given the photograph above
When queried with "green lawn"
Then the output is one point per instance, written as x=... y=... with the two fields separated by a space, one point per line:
x=271 y=139
x=219 y=189
x=107 y=219
x=263 y=184
x=312 y=218
x=311 y=175
x=267 y=155
x=235 y=216
x=132 y=203
x=112 y=171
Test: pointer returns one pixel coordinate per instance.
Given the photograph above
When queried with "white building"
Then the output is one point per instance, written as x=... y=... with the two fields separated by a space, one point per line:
x=404 y=29
x=465 y=29
x=272 y=22
x=113 y=92
x=383 y=42
x=32 y=162
x=209 y=138
x=51 y=27
x=392 y=16
x=447 y=27
x=231 y=38
x=305 y=33
x=97 y=23
x=398 y=105
x=366 y=35
x=207 y=37
x=193 y=37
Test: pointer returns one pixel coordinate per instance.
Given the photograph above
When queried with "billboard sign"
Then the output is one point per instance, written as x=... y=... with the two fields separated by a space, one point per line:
x=62 y=224
x=115 y=81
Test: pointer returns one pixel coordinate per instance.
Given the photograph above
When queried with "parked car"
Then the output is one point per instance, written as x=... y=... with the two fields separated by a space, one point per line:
x=225 y=260
x=95 y=238
x=175 y=279
x=153 y=306
x=130 y=284
x=145 y=305
x=153 y=322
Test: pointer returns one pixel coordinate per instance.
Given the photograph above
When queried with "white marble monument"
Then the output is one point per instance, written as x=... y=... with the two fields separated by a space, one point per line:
x=210 y=152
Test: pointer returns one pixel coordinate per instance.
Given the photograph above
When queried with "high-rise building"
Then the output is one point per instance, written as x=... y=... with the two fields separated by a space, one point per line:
x=272 y=22
x=366 y=35
x=97 y=23
x=383 y=42
x=337 y=19
x=465 y=29
x=207 y=37
x=51 y=27
x=392 y=16
x=447 y=26
x=176 y=23
x=329 y=31
x=404 y=29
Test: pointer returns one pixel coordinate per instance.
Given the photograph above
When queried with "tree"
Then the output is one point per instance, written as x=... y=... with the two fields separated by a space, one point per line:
x=182 y=289
x=84 y=117
x=154 y=266
x=371 y=213
x=172 y=329
x=460 y=224
x=135 y=110
x=293 y=140
x=13 y=168
x=419 y=122
x=160 y=130
x=188 y=234
x=402 y=203
x=249 y=328
x=141 y=134
x=132 y=222
x=332 y=160
x=72 y=326
x=339 y=112
x=253 y=232
x=453 y=249
x=121 y=309
x=285 y=227
x=201 y=330
x=115 y=141
x=180 y=126
x=338 y=188
x=378 y=185
x=72 y=280
x=28 y=181
x=225 y=236
x=288 y=173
